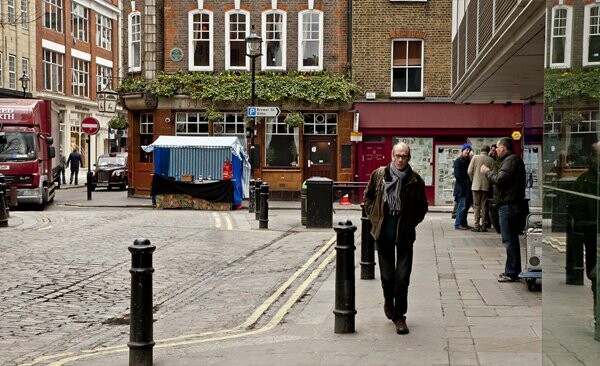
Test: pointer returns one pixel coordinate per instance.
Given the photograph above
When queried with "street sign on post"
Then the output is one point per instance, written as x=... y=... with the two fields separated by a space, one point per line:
x=90 y=125
x=263 y=111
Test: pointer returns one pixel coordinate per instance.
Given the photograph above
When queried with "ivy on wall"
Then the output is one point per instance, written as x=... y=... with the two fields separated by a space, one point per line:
x=316 y=87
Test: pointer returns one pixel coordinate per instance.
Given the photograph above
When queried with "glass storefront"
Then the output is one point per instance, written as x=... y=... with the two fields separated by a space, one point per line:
x=571 y=333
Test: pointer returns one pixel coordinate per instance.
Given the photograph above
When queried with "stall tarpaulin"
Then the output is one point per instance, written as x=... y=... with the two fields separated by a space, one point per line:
x=202 y=156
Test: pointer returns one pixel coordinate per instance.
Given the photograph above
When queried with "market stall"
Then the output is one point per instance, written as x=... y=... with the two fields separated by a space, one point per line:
x=199 y=172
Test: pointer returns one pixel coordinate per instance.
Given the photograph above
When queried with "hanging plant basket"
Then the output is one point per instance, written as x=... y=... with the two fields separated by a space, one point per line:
x=293 y=119
x=118 y=122
x=213 y=115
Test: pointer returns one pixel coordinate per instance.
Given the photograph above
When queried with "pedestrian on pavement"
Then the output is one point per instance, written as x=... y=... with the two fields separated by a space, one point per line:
x=75 y=162
x=509 y=195
x=462 y=188
x=480 y=188
x=62 y=167
x=395 y=203
x=583 y=228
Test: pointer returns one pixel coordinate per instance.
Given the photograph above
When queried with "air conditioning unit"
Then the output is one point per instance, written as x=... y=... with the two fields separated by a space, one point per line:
x=534 y=249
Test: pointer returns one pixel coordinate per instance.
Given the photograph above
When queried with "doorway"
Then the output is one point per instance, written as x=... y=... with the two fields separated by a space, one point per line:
x=320 y=157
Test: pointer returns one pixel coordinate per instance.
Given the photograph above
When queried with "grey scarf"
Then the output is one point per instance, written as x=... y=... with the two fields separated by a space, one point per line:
x=392 y=189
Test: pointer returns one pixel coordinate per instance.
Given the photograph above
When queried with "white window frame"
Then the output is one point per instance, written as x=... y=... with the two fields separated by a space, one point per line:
x=283 y=40
x=103 y=77
x=80 y=16
x=12 y=72
x=568 y=31
x=134 y=41
x=586 y=33
x=25 y=14
x=103 y=32
x=183 y=119
x=11 y=14
x=52 y=15
x=233 y=124
x=56 y=79
x=228 y=39
x=80 y=77
x=301 y=40
x=146 y=124
x=191 y=41
x=25 y=66
x=320 y=124
x=275 y=126
x=422 y=67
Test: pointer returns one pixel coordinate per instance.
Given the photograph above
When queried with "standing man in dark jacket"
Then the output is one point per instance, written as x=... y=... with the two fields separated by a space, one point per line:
x=583 y=207
x=462 y=187
x=75 y=162
x=509 y=194
x=395 y=203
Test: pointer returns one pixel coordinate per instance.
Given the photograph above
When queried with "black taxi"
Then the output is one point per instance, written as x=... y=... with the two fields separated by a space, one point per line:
x=110 y=171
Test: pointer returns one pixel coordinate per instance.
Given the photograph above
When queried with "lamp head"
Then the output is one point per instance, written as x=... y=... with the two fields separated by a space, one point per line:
x=254 y=44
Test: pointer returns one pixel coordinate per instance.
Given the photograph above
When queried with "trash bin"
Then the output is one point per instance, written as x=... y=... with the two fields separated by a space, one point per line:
x=303 y=203
x=319 y=202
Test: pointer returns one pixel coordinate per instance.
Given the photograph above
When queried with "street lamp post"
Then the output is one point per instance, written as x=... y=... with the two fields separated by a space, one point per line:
x=254 y=49
x=24 y=83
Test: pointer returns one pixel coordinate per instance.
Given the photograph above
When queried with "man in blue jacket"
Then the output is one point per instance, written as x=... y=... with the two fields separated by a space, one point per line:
x=462 y=187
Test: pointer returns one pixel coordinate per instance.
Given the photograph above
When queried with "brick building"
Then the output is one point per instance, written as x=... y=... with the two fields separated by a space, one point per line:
x=69 y=51
x=403 y=62
x=190 y=37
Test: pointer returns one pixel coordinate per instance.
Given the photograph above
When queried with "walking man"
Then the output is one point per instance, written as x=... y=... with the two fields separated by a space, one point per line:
x=462 y=188
x=396 y=203
x=75 y=162
x=62 y=166
x=480 y=187
x=509 y=194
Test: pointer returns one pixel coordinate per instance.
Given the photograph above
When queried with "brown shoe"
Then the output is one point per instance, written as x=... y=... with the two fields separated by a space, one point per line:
x=388 y=309
x=401 y=327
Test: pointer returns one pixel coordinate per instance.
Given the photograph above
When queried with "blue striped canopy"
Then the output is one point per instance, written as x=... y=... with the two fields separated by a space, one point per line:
x=200 y=156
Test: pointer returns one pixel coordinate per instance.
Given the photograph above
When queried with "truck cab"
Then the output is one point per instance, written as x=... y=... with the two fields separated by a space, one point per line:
x=26 y=151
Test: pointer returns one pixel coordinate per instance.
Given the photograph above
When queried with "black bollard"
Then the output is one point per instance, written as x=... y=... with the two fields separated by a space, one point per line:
x=257 y=184
x=367 y=248
x=344 y=278
x=251 y=200
x=89 y=185
x=3 y=208
x=263 y=222
x=140 y=338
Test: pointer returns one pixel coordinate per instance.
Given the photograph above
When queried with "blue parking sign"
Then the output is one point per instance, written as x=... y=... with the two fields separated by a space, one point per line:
x=251 y=111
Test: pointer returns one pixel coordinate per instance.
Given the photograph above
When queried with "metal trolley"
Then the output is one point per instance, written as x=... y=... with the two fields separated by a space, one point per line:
x=533 y=268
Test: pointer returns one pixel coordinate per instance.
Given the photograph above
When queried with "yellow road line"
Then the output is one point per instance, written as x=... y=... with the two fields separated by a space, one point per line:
x=237 y=331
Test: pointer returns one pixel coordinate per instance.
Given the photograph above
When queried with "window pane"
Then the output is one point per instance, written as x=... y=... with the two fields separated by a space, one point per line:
x=399 y=53
x=558 y=50
x=414 y=79
x=399 y=80
x=414 y=53
x=310 y=50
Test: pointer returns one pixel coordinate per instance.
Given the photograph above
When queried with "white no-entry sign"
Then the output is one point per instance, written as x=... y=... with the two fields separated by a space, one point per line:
x=90 y=125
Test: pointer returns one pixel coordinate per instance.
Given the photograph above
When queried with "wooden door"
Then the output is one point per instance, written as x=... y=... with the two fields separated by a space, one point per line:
x=320 y=156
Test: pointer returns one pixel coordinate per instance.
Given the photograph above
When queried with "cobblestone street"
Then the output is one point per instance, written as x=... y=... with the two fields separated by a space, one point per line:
x=65 y=273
